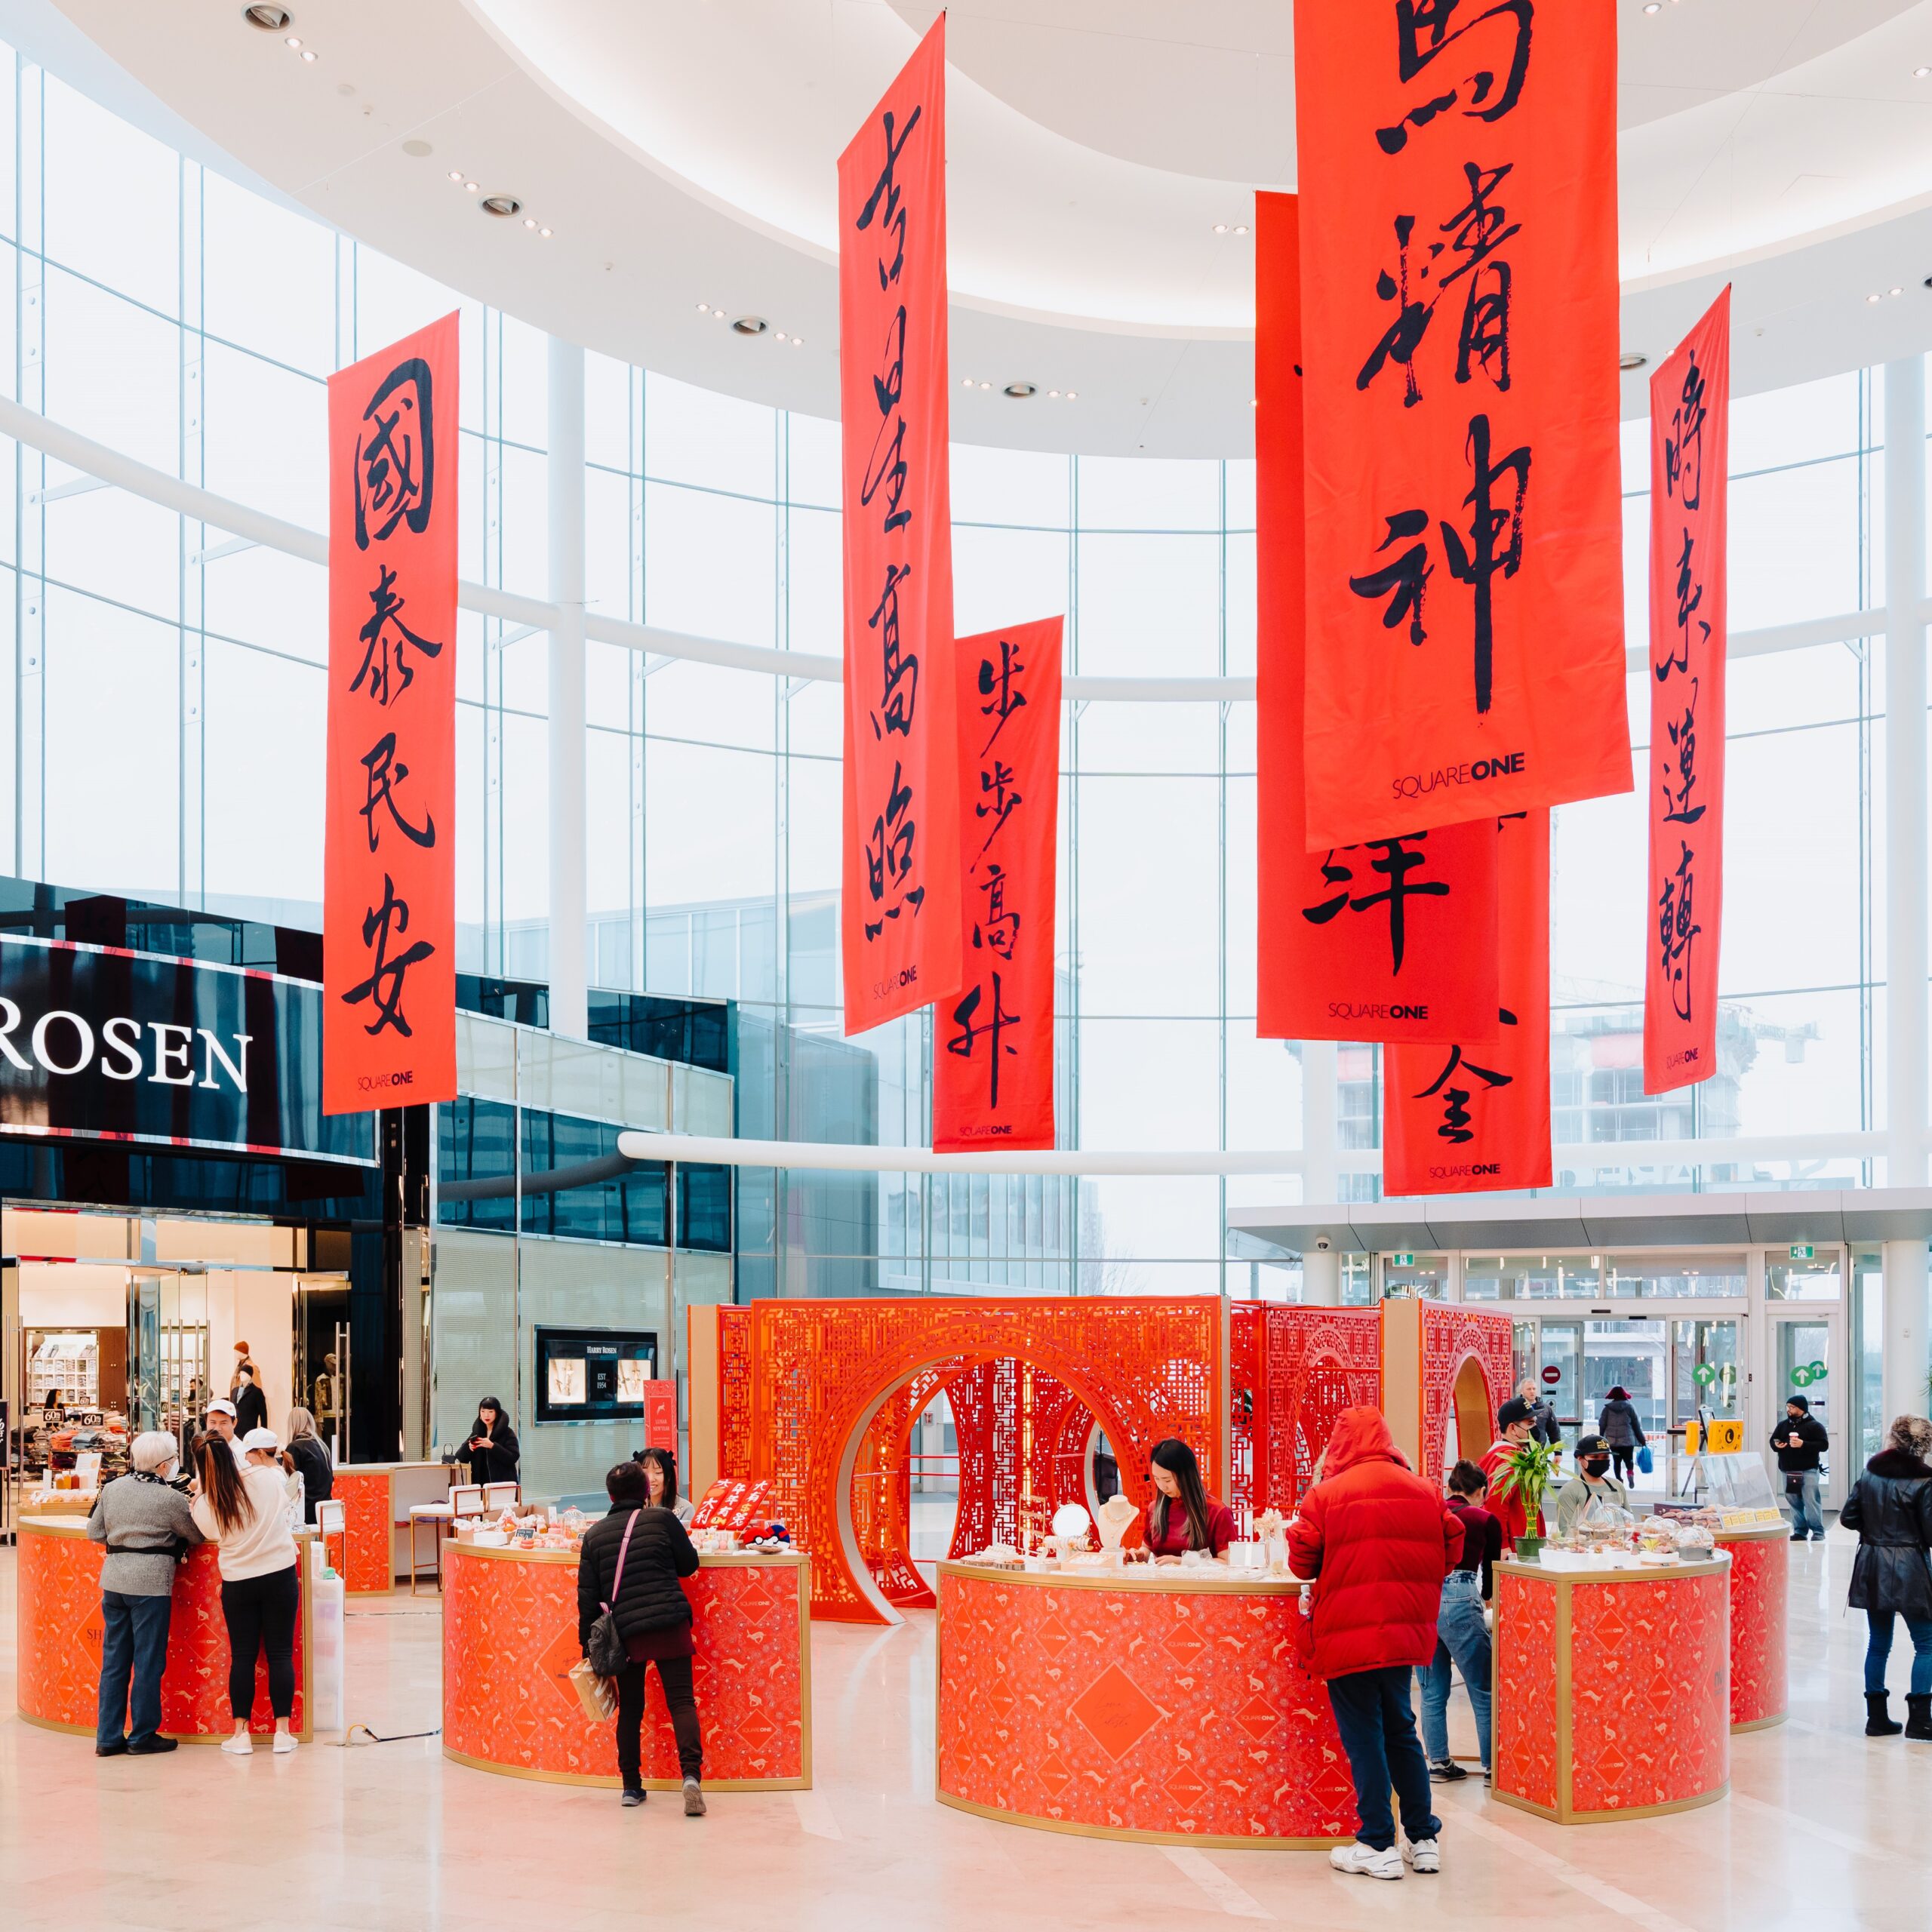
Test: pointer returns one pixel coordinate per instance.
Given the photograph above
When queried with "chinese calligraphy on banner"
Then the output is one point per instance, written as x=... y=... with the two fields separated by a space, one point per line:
x=1689 y=495
x=1459 y=252
x=389 y=912
x=1475 y=1116
x=900 y=908
x=993 y=1062
x=1394 y=939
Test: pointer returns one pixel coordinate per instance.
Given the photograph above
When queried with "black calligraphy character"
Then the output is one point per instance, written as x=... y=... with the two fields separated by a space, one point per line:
x=1484 y=558
x=999 y=928
x=387 y=641
x=380 y=925
x=885 y=462
x=998 y=686
x=889 y=853
x=1677 y=926
x=1690 y=597
x=1455 y=1115
x=1684 y=447
x=1476 y=231
x=1403 y=336
x=997 y=785
x=1422 y=32
x=1683 y=737
x=990 y=1029
x=385 y=774
x=899 y=699
x=1404 y=579
x=894 y=217
x=1395 y=862
x=395 y=466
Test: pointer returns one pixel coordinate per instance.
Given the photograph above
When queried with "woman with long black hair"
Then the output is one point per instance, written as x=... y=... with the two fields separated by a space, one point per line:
x=660 y=1477
x=244 y=1512
x=1182 y=1515
x=492 y=1451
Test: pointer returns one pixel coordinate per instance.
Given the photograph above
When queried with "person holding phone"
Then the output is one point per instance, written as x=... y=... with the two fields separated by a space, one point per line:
x=491 y=1449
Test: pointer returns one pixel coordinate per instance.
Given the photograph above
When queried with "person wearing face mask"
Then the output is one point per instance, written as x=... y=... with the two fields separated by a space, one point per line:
x=1592 y=1483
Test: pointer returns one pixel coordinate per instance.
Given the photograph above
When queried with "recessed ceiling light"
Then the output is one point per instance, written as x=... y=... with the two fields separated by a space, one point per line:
x=502 y=206
x=751 y=325
x=308 y=54
x=294 y=40
x=456 y=174
x=1020 y=391
x=1874 y=298
x=530 y=221
x=1240 y=228
x=1631 y=358
x=1220 y=228
x=704 y=308
x=780 y=336
x=1919 y=73
x=1073 y=395
x=985 y=385
x=1254 y=402
x=1655 y=7
x=965 y=381
x=545 y=233
x=1053 y=395
x=270 y=19
x=469 y=187
x=1895 y=291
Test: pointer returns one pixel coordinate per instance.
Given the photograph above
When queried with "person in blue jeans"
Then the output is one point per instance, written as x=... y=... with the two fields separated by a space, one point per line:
x=1800 y=1442
x=1461 y=1634
x=146 y=1524
x=1890 y=1507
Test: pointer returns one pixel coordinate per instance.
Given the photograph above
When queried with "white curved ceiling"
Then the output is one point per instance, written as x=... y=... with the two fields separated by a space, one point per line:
x=683 y=151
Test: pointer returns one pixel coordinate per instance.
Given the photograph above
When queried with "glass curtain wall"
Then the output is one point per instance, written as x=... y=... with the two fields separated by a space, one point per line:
x=164 y=730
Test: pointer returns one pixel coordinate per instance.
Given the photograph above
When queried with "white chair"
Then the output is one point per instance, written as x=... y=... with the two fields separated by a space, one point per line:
x=500 y=1495
x=467 y=1500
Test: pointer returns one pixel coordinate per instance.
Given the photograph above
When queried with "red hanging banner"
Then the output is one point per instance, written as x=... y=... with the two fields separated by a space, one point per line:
x=1471 y=1117
x=1394 y=939
x=900 y=911
x=1459 y=254
x=389 y=869
x=1690 y=632
x=993 y=1057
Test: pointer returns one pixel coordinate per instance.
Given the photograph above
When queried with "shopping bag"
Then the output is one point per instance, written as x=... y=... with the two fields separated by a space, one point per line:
x=1645 y=1461
x=598 y=1695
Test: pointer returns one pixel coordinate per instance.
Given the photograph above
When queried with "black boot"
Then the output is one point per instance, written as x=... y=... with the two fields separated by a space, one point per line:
x=1918 y=1717
x=1877 y=1719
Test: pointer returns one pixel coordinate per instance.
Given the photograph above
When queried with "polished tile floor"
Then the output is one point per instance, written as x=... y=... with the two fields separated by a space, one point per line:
x=1823 y=1830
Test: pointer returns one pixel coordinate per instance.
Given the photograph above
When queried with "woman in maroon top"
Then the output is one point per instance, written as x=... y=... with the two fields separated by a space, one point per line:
x=1183 y=1515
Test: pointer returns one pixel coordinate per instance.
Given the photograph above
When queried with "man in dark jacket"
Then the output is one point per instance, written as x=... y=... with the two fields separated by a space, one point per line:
x=1890 y=1507
x=1378 y=1540
x=631 y=1563
x=1800 y=1440
x=1543 y=1426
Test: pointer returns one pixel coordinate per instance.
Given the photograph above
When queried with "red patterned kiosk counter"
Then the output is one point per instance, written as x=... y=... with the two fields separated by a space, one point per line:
x=1760 y=1584
x=59 y=1637
x=509 y=1640
x=1611 y=1689
x=375 y=1549
x=1164 y=1704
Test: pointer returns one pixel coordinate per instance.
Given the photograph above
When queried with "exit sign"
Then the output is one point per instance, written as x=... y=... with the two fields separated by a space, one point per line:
x=1402 y=1260
x=1801 y=1251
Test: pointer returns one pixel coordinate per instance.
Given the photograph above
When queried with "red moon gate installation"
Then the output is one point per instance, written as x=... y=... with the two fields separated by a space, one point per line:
x=389 y=869
x=1459 y=277
x=900 y=908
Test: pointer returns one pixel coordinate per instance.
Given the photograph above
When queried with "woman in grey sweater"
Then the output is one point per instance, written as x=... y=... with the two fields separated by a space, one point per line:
x=146 y=1527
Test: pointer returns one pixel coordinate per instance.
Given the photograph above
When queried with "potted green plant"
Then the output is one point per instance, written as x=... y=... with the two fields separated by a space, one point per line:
x=1527 y=1471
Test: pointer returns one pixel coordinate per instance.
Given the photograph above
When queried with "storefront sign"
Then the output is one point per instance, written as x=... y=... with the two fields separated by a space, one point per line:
x=1467 y=1119
x=1394 y=939
x=388 y=905
x=993 y=1077
x=1459 y=249
x=98 y=1043
x=901 y=909
x=1689 y=631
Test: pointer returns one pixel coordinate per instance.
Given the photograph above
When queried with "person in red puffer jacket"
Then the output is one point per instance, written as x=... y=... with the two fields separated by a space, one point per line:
x=1378 y=1541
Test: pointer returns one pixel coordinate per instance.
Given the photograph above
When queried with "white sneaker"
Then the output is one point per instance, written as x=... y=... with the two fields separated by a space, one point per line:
x=1366 y=1861
x=240 y=1745
x=1423 y=1855
x=286 y=1741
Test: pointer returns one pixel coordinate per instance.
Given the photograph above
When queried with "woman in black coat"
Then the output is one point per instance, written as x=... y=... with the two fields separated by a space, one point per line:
x=492 y=1451
x=653 y=1618
x=1890 y=1507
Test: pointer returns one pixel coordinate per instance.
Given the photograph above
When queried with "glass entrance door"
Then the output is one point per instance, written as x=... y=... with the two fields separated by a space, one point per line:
x=1804 y=1354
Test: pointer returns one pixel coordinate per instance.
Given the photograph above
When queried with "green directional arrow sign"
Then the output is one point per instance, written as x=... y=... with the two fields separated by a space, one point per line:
x=1704 y=1375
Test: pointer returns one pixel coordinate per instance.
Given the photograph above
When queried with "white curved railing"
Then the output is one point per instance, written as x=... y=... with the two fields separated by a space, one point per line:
x=123 y=472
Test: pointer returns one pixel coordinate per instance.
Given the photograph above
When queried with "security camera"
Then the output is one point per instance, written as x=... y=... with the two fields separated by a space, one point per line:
x=1322 y=1244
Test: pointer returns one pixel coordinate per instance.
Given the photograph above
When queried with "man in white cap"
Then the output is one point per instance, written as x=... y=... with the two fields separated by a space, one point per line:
x=146 y=1524
x=221 y=1423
